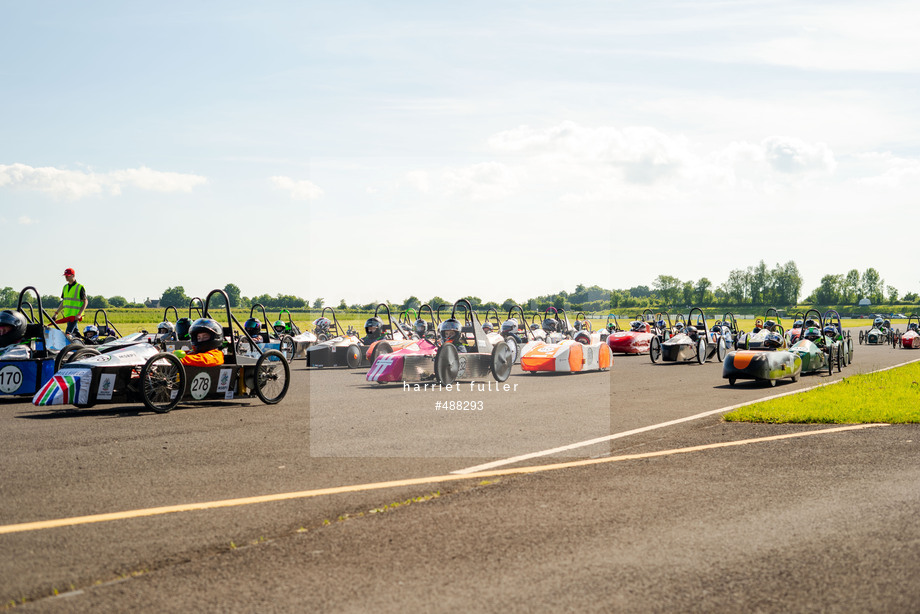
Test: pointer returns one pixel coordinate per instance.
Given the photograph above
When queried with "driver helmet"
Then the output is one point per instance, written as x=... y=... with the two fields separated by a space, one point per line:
x=758 y=323
x=887 y=323
x=322 y=324
x=679 y=327
x=692 y=332
x=830 y=330
x=279 y=326
x=583 y=337
x=509 y=326
x=797 y=324
x=912 y=326
x=635 y=325
x=716 y=328
x=549 y=325
x=769 y=325
x=206 y=335
x=661 y=324
x=182 y=329
x=878 y=322
x=253 y=327
x=812 y=333
x=773 y=340
x=165 y=327
x=487 y=327
x=809 y=323
x=90 y=333
x=372 y=325
x=534 y=326
x=421 y=327
x=610 y=327
x=577 y=325
x=449 y=330
x=12 y=327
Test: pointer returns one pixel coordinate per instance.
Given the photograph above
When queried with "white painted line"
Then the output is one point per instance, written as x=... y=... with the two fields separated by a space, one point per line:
x=605 y=438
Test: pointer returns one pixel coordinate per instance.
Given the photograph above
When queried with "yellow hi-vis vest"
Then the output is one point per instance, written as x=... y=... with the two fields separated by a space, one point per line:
x=72 y=302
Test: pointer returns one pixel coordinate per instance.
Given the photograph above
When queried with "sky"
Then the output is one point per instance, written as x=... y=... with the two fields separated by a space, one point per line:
x=370 y=151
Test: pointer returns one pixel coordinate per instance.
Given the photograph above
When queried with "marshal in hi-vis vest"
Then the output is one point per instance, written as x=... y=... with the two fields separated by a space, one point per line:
x=72 y=302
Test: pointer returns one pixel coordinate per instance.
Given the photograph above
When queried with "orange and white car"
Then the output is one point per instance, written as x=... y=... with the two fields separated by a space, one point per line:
x=568 y=356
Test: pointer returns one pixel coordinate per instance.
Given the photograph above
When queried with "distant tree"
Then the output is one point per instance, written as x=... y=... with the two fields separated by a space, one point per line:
x=687 y=291
x=49 y=301
x=507 y=304
x=910 y=297
x=851 y=287
x=174 y=297
x=475 y=301
x=828 y=293
x=97 y=302
x=117 y=301
x=8 y=297
x=411 y=303
x=669 y=288
x=892 y=295
x=318 y=303
x=640 y=291
x=342 y=305
x=702 y=290
x=871 y=284
x=233 y=293
x=436 y=301
x=736 y=287
x=134 y=306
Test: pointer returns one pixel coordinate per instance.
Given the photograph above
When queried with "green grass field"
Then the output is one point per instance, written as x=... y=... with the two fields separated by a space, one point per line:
x=891 y=396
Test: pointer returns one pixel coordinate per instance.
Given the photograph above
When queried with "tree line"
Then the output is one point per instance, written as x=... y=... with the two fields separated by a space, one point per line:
x=756 y=285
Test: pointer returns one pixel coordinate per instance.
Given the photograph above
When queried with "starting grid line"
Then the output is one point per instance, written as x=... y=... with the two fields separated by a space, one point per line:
x=590 y=442
x=208 y=505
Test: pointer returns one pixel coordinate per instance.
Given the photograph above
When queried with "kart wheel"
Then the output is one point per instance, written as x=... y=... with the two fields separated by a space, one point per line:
x=731 y=381
x=795 y=378
x=850 y=349
x=654 y=349
x=701 y=351
x=272 y=377
x=162 y=382
x=286 y=347
x=81 y=354
x=862 y=336
x=321 y=337
x=502 y=361
x=839 y=358
x=243 y=346
x=830 y=361
x=447 y=364
x=382 y=347
x=353 y=356
x=772 y=383
x=61 y=356
x=513 y=346
x=721 y=351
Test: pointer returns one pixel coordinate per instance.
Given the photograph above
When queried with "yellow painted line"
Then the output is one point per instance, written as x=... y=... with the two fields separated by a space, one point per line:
x=305 y=494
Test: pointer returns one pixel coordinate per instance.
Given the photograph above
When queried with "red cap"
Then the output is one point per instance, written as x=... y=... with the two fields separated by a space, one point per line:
x=69 y=271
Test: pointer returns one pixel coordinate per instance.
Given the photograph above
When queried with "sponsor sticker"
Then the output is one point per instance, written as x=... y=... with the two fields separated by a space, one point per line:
x=228 y=395
x=223 y=380
x=106 y=386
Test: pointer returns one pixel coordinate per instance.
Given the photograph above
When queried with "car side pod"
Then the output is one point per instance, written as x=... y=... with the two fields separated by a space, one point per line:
x=765 y=365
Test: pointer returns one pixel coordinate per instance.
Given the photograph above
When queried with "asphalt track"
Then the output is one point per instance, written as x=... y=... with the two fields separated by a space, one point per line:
x=821 y=522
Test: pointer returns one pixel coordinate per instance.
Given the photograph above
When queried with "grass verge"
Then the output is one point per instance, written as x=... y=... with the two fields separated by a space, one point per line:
x=891 y=396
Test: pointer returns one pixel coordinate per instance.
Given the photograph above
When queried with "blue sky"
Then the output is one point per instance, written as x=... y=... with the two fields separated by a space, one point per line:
x=372 y=151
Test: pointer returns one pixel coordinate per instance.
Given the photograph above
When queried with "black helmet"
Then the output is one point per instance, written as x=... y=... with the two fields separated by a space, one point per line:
x=17 y=323
x=549 y=325
x=583 y=337
x=912 y=326
x=797 y=324
x=449 y=330
x=769 y=324
x=812 y=333
x=182 y=328
x=252 y=326
x=809 y=323
x=375 y=322
x=421 y=327
x=830 y=330
x=212 y=335
x=692 y=332
x=773 y=340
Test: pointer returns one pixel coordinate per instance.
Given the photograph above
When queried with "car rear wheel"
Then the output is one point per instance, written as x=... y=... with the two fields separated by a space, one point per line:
x=286 y=347
x=272 y=377
x=382 y=347
x=701 y=351
x=447 y=364
x=654 y=349
x=353 y=356
x=502 y=361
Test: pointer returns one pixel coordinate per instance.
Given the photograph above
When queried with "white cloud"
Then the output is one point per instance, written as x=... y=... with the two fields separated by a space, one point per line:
x=885 y=170
x=298 y=190
x=477 y=182
x=790 y=155
x=73 y=185
x=25 y=220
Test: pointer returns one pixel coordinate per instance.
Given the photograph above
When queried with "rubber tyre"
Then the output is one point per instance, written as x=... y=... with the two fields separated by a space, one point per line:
x=81 y=353
x=502 y=361
x=158 y=382
x=772 y=383
x=353 y=356
x=286 y=347
x=382 y=347
x=447 y=364
x=654 y=349
x=731 y=381
x=67 y=349
x=701 y=350
x=830 y=361
x=721 y=351
x=839 y=357
x=272 y=377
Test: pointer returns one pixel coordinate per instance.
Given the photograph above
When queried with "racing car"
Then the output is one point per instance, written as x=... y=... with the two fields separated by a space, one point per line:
x=142 y=372
x=274 y=338
x=771 y=323
x=463 y=352
x=567 y=355
x=28 y=347
x=816 y=346
x=766 y=357
x=690 y=341
x=345 y=349
x=879 y=334
x=910 y=339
